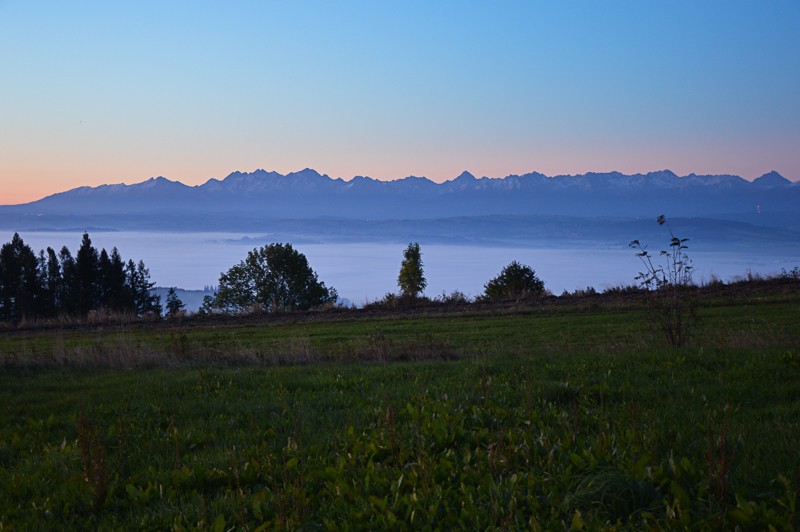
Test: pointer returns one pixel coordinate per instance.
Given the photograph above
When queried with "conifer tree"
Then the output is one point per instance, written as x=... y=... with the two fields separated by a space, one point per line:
x=19 y=276
x=139 y=287
x=86 y=269
x=174 y=304
x=119 y=299
x=54 y=282
x=69 y=282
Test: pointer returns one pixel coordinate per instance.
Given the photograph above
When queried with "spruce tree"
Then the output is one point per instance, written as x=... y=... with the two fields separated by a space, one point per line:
x=19 y=281
x=140 y=289
x=86 y=265
x=54 y=282
x=69 y=282
x=174 y=304
x=119 y=299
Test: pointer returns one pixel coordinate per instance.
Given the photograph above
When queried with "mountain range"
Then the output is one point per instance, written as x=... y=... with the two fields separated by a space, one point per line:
x=305 y=202
x=308 y=194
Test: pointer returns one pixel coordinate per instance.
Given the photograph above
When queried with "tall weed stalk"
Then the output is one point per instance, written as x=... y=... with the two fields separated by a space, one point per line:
x=669 y=291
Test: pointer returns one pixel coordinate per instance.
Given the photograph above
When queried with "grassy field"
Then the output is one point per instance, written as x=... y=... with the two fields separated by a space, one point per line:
x=563 y=414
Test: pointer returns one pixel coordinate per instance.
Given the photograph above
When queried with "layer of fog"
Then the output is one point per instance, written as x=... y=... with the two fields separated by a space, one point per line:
x=363 y=272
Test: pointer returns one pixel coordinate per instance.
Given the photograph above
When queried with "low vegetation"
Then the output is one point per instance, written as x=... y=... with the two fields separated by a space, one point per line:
x=554 y=413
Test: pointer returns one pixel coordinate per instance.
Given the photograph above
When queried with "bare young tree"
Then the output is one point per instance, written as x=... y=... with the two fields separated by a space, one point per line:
x=671 y=305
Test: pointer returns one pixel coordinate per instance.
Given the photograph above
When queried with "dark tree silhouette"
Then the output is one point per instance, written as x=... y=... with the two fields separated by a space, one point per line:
x=86 y=273
x=111 y=283
x=272 y=278
x=19 y=276
x=669 y=289
x=69 y=273
x=53 y=284
x=516 y=281
x=103 y=278
x=140 y=287
x=174 y=304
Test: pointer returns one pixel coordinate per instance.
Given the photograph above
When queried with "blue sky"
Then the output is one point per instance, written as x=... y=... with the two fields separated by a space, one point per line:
x=107 y=92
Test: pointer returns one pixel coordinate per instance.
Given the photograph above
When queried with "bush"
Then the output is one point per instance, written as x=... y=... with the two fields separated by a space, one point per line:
x=580 y=292
x=516 y=281
x=622 y=289
x=456 y=297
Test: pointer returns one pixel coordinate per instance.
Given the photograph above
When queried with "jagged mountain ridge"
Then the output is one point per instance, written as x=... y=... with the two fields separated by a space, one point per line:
x=308 y=194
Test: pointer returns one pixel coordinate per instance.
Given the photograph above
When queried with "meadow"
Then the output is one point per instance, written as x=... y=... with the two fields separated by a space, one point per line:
x=564 y=413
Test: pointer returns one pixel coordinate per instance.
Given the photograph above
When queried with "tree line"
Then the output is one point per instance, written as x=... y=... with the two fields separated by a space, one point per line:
x=277 y=277
x=273 y=278
x=53 y=284
x=515 y=282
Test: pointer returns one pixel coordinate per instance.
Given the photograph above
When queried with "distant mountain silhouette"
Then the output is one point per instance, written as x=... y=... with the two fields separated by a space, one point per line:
x=771 y=179
x=307 y=195
x=305 y=206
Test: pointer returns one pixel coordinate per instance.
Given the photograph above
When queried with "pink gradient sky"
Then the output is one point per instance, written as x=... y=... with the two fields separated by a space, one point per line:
x=96 y=93
x=34 y=179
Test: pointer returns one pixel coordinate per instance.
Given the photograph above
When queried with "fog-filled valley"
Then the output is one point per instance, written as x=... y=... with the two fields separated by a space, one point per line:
x=365 y=271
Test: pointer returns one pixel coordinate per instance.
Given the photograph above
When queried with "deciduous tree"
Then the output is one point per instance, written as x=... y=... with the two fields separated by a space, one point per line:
x=411 y=279
x=272 y=278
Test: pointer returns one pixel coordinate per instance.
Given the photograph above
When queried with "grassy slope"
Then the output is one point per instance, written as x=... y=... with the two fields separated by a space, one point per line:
x=552 y=415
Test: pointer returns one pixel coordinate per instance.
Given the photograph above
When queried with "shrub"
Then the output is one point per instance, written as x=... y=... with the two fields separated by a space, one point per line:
x=516 y=281
x=456 y=297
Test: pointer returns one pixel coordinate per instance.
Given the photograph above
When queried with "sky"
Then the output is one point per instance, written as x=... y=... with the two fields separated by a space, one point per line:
x=118 y=92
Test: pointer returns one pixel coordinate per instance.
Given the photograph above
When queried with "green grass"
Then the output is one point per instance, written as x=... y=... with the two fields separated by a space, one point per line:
x=546 y=417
